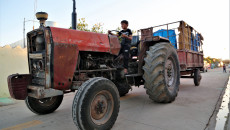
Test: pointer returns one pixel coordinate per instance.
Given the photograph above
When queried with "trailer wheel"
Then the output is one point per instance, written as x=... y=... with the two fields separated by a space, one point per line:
x=43 y=106
x=162 y=73
x=197 y=77
x=122 y=87
x=96 y=105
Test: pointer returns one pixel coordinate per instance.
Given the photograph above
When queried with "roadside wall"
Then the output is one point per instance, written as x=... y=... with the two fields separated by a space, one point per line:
x=12 y=60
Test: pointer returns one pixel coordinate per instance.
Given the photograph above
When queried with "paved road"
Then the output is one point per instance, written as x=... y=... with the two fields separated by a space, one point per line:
x=191 y=110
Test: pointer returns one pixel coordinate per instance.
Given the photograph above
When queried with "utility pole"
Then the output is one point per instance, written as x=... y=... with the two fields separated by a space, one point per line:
x=24 y=43
x=74 y=16
x=24 y=23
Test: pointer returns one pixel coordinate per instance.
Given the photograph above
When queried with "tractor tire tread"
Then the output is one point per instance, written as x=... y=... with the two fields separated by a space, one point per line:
x=155 y=84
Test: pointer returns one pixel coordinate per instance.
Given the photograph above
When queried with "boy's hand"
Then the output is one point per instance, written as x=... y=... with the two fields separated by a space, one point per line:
x=123 y=35
x=128 y=37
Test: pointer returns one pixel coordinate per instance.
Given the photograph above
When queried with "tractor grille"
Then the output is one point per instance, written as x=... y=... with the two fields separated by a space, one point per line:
x=37 y=62
x=37 y=66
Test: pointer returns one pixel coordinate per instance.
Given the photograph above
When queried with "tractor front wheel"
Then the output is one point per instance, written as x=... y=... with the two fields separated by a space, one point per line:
x=96 y=105
x=161 y=73
x=43 y=106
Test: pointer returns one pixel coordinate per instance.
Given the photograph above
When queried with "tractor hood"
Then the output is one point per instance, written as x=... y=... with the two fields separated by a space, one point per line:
x=86 y=41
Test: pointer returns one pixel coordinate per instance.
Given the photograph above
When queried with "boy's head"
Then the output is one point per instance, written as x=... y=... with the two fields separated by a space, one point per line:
x=124 y=24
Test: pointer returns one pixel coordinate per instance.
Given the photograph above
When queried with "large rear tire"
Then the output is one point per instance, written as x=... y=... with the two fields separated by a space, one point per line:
x=43 y=106
x=96 y=105
x=162 y=73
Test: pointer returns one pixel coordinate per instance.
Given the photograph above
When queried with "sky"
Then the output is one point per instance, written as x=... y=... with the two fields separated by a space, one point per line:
x=209 y=17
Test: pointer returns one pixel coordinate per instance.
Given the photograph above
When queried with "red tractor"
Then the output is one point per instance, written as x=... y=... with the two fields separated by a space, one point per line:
x=65 y=60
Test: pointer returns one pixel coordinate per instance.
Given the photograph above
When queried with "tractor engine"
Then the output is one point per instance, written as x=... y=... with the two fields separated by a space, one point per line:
x=91 y=61
x=94 y=64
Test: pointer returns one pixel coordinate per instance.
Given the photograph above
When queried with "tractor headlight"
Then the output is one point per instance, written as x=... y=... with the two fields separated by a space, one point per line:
x=34 y=66
x=40 y=65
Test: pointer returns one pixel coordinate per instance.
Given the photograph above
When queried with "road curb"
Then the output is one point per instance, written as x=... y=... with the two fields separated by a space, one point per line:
x=6 y=101
x=212 y=120
x=227 y=123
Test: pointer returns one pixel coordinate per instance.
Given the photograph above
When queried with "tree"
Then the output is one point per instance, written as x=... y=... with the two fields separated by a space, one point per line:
x=118 y=29
x=209 y=59
x=214 y=61
x=83 y=26
x=97 y=28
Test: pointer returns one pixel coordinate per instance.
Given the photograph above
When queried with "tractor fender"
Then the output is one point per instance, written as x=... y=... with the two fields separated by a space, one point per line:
x=147 y=40
x=144 y=47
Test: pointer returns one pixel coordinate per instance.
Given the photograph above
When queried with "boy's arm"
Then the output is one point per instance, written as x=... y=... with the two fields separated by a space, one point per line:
x=128 y=37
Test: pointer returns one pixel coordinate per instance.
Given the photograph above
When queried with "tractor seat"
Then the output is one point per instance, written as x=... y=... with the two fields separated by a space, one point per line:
x=135 y=41
x=134 y=46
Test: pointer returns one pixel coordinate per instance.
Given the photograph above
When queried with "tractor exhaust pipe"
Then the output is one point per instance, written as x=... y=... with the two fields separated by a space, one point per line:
x=74 y=17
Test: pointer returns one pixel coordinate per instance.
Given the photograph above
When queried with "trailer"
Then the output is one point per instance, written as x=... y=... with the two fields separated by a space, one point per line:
x=186 y=40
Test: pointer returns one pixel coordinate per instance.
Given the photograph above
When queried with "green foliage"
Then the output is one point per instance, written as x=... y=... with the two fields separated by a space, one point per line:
x=83 y=26
x=97 y=28
x=134 y=31
x=119 y=37
x=212 y=60
x=208 y=59
x=118 y=29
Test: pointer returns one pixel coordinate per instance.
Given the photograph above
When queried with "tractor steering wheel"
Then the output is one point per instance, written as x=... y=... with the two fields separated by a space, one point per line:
x=114 y=31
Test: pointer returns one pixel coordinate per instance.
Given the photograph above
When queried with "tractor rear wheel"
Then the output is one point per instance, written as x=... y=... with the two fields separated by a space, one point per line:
x=162 y=73
x=43 y=106
x=96 y=105
x=197 y=77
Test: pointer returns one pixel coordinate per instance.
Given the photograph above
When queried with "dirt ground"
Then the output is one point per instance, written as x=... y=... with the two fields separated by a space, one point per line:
x=12 y=61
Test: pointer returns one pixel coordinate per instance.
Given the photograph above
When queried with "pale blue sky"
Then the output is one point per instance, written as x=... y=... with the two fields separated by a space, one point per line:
x=210 y=17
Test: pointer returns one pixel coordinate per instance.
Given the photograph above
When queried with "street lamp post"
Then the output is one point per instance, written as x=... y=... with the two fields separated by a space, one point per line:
x=24 y=22
x=24 y=43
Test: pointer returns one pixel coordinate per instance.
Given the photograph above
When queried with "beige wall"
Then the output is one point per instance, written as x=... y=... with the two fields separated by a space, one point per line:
x=12 y=60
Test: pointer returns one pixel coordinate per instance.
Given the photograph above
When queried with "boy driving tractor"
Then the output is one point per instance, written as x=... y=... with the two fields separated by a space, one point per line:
x=126 y=38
